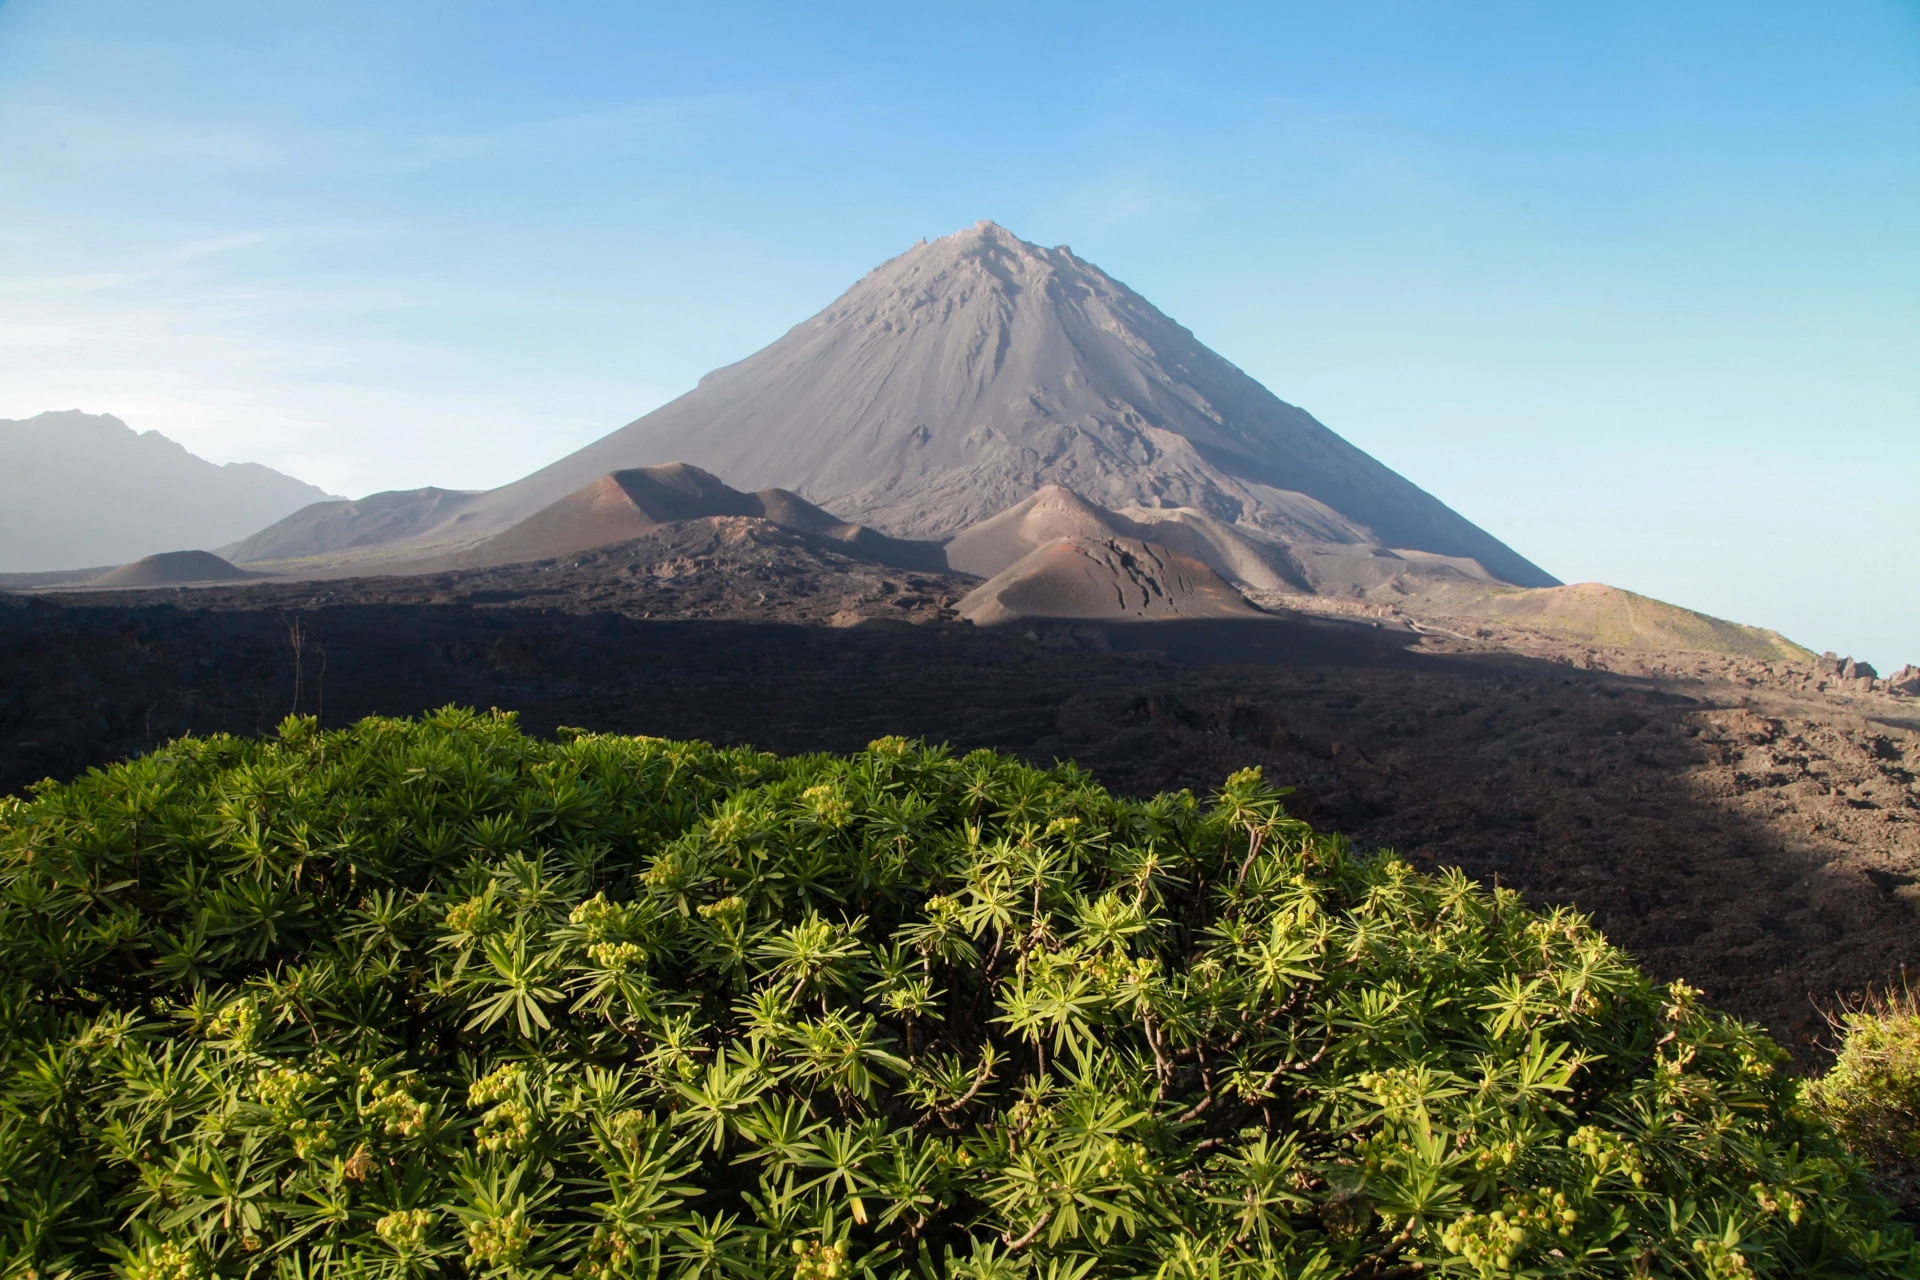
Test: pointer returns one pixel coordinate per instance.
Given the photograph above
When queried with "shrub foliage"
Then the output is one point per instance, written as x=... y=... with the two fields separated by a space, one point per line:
x=1872 y=1095
x=437 y=997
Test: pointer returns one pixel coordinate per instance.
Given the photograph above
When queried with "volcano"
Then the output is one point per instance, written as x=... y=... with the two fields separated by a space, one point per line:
x=1087 y=579
x=959 y=378
x=171 y=568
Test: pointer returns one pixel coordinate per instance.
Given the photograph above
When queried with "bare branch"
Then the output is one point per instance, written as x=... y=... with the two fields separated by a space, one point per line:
x=1258 y=838
x=1014 y=1246
x=980 y=1079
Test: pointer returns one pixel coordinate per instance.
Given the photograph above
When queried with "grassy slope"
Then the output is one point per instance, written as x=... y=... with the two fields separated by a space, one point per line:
x=1604 y=615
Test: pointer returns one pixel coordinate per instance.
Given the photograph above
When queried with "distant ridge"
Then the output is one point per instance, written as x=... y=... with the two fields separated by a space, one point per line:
x=622 y=505
x=87 y=489
x=397 y=516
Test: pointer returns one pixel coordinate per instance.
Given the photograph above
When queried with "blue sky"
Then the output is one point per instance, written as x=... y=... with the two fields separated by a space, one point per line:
x=1634 y=286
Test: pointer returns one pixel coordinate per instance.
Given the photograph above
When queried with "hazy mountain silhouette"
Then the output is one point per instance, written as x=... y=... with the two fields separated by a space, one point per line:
x=394 y=516
x=86 y=489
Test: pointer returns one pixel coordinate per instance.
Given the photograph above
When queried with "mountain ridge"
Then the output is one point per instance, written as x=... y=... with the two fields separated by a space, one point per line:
x=625 y=504
x=87 y=489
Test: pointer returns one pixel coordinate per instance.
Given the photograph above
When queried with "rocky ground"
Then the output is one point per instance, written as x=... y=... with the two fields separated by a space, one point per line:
x=1730 y=823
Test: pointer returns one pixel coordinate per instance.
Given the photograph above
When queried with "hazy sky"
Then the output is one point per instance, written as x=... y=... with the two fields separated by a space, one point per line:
x=1634 y=286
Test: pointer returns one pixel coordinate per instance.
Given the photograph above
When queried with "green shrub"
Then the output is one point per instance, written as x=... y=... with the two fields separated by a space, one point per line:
x=436 y=997
x=1872 y=1094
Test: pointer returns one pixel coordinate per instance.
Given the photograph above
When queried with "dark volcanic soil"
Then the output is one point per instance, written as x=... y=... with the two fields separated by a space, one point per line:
x=1763 y=844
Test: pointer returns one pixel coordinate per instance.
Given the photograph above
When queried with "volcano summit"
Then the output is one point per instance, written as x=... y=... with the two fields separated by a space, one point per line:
x=960 y=377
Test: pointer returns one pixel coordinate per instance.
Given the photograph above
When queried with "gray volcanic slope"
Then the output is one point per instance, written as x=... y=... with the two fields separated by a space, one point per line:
x=959 y=377
x=396 y=515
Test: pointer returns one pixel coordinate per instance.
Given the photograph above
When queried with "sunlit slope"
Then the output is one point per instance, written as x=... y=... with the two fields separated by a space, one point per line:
x=1603 y=615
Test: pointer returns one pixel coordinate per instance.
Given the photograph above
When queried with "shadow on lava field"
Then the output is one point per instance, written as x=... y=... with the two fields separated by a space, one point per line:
x=1769 y=854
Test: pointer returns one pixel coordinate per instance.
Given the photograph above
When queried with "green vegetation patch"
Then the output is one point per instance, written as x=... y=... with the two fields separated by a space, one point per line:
x=1872 y=1095
x=435 y=997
